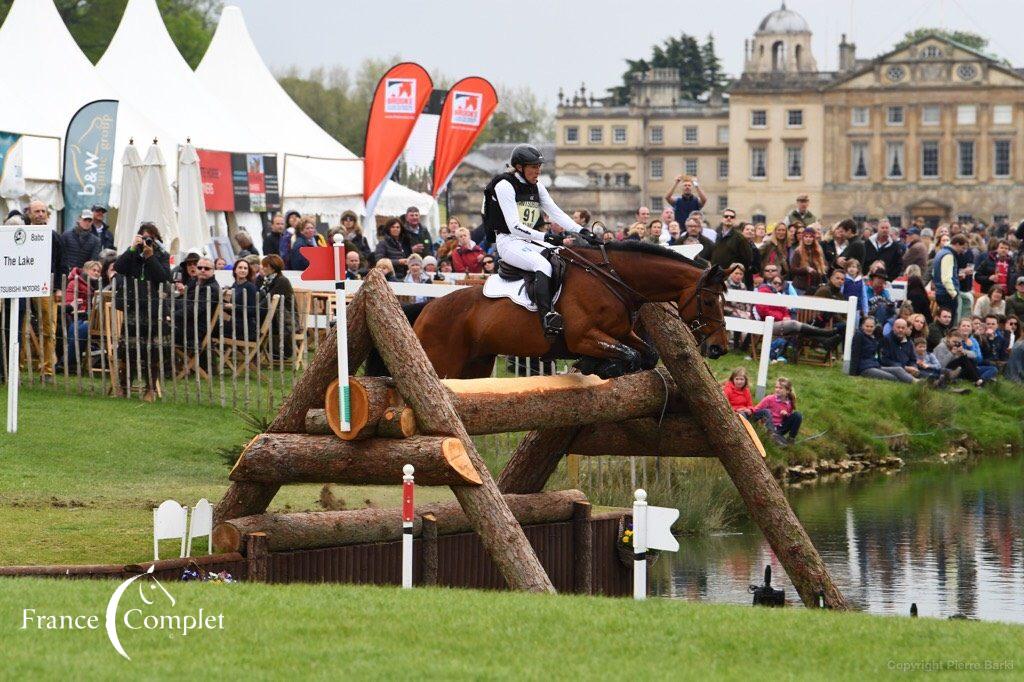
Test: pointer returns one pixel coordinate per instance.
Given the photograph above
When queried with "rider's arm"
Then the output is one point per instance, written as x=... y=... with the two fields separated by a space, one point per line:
x=557 y=215
x=506 y=196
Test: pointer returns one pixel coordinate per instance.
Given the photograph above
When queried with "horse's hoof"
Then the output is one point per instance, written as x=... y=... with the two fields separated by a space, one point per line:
x=610 y=369
x=585 y=365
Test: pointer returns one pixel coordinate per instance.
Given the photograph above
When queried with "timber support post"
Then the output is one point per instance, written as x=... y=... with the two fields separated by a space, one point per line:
x=257 y=557
x=765 y=501
x=419 y=385
x=582 y=548
x=428 y=545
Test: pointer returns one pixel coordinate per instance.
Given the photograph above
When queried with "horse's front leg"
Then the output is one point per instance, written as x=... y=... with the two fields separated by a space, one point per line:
x=648 y=355
x=619 y=357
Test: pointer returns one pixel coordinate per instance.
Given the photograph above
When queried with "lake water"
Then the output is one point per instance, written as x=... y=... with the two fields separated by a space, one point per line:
x=948 y=537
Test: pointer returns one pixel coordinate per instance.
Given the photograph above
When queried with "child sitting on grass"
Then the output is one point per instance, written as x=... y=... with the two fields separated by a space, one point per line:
x=780 y=410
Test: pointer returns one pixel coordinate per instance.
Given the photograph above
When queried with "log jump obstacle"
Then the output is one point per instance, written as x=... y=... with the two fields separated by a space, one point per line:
x=414 y=417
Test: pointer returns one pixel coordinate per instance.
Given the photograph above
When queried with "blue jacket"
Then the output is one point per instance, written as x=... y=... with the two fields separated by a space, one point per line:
x=940 y=288
x=896 y=353
x=863 y=353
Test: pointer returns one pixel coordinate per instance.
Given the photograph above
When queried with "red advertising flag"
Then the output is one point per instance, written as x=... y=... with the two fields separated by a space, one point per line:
x=218 y=191
x=400 y=97
x=468 y=106
x=322 y=262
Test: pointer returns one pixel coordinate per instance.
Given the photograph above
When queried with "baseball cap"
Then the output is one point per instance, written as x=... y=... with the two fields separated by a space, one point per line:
x=86 y=213
x=98 y=207
x=913 y=230
x=1020 y=280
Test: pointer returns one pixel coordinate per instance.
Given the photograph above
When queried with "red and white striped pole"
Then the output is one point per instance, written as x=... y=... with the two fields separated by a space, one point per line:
x=407 y=512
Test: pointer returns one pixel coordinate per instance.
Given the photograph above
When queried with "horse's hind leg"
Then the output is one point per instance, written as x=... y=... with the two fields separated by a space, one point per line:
x=478 y=368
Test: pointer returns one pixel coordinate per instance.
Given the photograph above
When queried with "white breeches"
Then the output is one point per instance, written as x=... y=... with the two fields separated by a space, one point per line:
x=523 y=254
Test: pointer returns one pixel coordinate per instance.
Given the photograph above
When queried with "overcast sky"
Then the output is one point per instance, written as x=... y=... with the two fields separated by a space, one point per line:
x=552 y=43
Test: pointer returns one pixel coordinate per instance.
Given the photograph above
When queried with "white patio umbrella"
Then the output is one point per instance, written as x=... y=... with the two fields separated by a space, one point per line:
x=155 y=203
x=131 y=184
x=193 y=230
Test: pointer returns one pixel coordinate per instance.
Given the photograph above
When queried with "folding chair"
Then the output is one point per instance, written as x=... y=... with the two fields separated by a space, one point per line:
x=190 y=360
x=251 y=347
x=168 y=523
x=303 y=301
x=200 y=524
x=807 y=349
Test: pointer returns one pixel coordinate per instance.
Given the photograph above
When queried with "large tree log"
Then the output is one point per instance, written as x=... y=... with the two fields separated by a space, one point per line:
x=419 y=384
x=535 y=459
x=762 y=494
x=244 y=499
x=308 y=530
x=676 y=436
x=370 y=398
x=281 y=458
x=524 y=403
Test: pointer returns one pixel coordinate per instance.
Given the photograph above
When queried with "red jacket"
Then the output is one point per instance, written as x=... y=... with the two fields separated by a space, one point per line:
x=78 y=290
x=778 y=312
x=739 y=398
x=467 y=260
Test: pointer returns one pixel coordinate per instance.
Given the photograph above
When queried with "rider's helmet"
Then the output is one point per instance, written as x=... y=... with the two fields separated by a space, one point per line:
x=526 y=155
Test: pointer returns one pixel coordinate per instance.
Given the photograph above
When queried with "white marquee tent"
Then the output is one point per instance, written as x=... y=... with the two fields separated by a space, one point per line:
x=320 y=175
x=50 y=78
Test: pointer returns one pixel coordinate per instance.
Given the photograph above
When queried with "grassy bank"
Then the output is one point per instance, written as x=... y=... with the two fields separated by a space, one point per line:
x=385 y=633
x=844 y=415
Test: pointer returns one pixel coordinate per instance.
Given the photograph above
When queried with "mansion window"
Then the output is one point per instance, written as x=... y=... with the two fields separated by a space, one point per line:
x=690 y=167
x=795 y=118
x=619 y=134
x=931 y=52
x=859 y=160
x=1001 y=158
x=794 y=161
x=657 y=135
x=621 y=179
x=894 y=116
x=690 y=134
x=758 y=162
x=723 y=168
x=895 y=220
x=657 y=169
x=1002 y=114
x=860 y=116
x=966 y=115
x=572 y=134
x=596 y=135
x=930 y=159
x=930 y=115
x=965 y=159
x=723 y=202
x=894 y=160
x=723 y=134
x=759 y=118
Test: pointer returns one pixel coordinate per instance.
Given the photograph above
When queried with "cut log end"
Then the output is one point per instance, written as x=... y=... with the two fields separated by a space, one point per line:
x=226 y=538
x=358 y=409
x=397 y=422
x=455 y=454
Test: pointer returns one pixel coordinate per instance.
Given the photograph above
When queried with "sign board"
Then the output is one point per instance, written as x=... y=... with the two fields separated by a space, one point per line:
x=659 y=528
x=25 y=261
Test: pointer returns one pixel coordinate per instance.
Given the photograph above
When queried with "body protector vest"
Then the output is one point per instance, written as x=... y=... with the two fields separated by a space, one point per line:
x=527 y=203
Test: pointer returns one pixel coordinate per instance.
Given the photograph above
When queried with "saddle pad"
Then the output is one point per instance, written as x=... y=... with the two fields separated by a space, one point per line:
x=515 y=291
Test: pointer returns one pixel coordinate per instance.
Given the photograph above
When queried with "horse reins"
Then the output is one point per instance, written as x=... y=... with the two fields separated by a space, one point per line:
x=605 y=273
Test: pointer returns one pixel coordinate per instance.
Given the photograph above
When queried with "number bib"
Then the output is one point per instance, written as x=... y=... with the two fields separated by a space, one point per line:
x=529 y=213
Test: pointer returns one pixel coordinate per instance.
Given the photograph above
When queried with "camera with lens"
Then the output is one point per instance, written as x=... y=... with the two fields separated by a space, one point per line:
x=147 y=241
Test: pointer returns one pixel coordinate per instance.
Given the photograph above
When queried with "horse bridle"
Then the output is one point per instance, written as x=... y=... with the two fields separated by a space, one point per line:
x=632 y=299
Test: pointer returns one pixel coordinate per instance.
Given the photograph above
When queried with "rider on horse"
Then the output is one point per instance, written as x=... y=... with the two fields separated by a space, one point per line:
x=513 y=205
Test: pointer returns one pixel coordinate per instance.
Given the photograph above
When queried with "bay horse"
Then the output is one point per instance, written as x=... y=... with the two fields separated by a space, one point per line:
x=602 y=291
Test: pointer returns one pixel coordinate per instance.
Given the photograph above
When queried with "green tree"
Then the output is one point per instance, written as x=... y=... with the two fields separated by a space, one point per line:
x=520 y=117
x=93 y=23
x=966 y=38
x=698 y=66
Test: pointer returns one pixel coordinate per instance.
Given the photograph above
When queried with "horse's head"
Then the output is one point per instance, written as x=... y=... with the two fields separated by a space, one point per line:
x=703 y=309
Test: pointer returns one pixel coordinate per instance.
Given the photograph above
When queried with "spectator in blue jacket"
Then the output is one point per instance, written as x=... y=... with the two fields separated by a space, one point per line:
x=897 y=355
x=972 y=350
x=864 y=354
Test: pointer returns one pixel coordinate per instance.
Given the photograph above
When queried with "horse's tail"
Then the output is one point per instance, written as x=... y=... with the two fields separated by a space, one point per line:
x=375 y=366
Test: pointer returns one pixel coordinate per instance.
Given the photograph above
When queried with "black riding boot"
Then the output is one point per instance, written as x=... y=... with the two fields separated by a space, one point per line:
x=550 y=320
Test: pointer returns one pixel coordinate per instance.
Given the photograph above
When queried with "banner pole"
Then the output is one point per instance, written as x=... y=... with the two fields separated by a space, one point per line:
x=640 y=545
x=407 y=520
x=341 y=334
x=13 y=369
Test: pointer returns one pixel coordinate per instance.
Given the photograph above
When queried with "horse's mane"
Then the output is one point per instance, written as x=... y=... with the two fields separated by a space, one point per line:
x=646 y=248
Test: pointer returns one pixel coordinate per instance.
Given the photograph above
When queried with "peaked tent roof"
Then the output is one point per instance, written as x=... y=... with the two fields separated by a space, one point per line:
x=52 y=82
x=331 y=179
x=145 y=66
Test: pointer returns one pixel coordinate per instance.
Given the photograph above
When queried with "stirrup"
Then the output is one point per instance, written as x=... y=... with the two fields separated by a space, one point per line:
x=553 y=324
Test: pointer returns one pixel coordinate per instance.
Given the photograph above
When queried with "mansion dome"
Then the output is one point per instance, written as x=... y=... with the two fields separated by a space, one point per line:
x=783 y=20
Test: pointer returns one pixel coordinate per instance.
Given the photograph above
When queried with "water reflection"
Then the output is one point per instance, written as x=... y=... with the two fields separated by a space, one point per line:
x=948 y=538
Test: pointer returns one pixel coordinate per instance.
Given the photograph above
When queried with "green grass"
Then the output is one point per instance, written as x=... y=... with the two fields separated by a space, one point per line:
x=844 y=415
x=79 y=480
x=315 y=631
